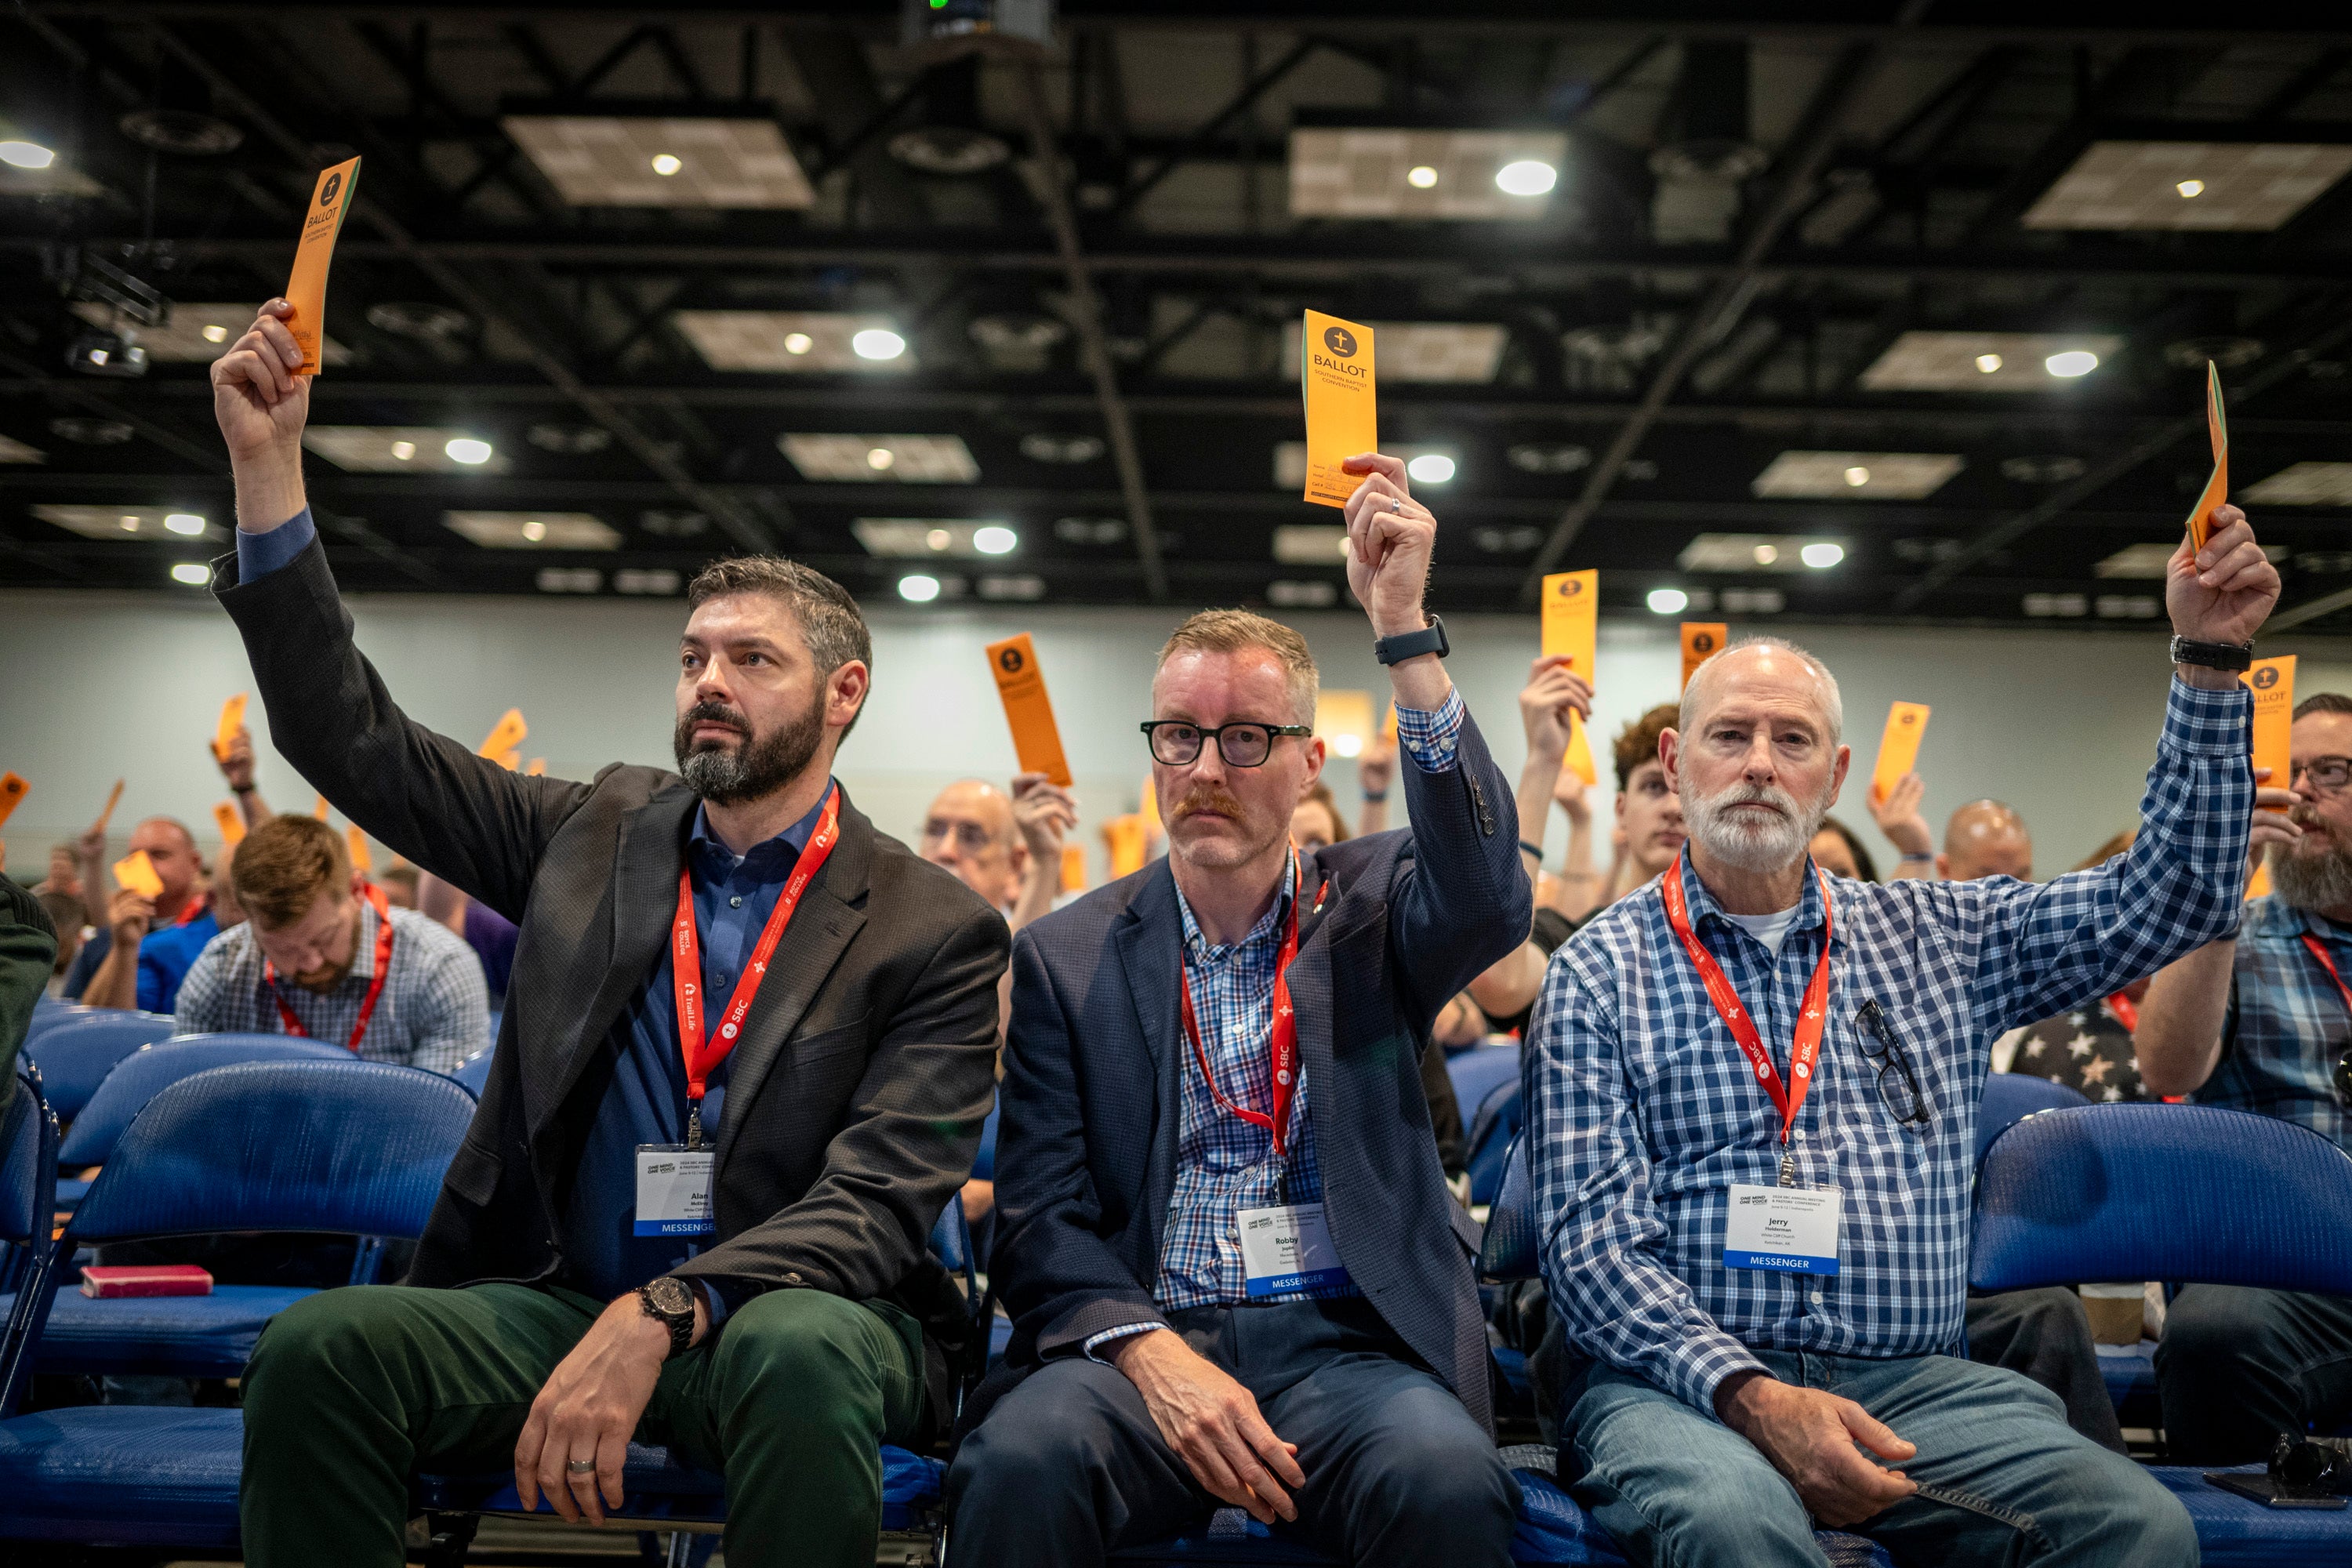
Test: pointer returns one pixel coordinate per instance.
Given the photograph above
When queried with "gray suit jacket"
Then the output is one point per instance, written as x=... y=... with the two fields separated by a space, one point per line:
x=867 y=1067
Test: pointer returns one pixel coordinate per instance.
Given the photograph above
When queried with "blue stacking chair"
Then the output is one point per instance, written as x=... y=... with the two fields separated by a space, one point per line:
x=1478 y=1070
x=146 y=1072
x=2184 y=1192
x=662 y=1491
x=28 y=1173
x=351 y=1147
x=474 y=1072
x=1494 y=1128
x=2012 y=1097
x=75 y=1056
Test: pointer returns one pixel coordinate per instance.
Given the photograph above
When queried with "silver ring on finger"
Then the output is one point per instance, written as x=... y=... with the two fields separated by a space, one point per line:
x=580 y=1466
x=1396 y=506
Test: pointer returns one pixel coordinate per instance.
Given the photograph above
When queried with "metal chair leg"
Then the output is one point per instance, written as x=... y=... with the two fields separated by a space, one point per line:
x=449 y=1536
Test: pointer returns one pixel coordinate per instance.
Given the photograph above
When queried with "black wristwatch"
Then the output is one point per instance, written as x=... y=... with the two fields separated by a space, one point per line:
x=1430 y=639
x=669 y=1301
x=2213 y=655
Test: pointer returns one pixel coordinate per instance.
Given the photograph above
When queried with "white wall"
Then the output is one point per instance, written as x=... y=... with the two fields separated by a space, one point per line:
x=2061 y=724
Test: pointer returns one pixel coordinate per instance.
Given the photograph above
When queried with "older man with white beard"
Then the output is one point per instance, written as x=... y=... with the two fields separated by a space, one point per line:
x=2257 y=1022
x=1754 y=1101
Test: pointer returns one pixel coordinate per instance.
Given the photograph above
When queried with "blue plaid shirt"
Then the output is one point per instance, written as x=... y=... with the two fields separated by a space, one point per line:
x=1643 y=1112
x=1224 y=1164
x=2286 y=1023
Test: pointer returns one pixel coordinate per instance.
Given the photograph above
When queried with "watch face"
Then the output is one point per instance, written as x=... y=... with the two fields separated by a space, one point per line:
x=669 y=1296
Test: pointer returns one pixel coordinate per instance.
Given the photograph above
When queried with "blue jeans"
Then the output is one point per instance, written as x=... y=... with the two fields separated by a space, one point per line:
x=2003 y=1478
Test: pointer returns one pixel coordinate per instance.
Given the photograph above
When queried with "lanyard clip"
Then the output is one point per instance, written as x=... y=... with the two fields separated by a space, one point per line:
x=1789 y=1169
x=694 y=1126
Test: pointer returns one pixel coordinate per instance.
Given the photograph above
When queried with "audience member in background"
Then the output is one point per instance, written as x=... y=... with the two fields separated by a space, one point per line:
x=323 y=955
x=490 y=933
x=2259 y=1023
x=63 y=877
x=1649 y=815
x=1900 y=819
x=399 y=881
x=151 y=942
x=1505 y=993
x=1986 y=838
x=1746 y=1377
x=1316 y=825
x=64 y=911
x=1375 y=771
x=28 y=947
x=1836 y=850
x=1335 y=1374
x=236 y=771
x=536 y=1323
x=2089 y=1049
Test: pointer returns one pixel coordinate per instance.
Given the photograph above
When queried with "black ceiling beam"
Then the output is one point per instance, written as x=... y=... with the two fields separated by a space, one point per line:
x=1801 y=159
x=1244 y=102
x=2324 y=65
x=850 y=106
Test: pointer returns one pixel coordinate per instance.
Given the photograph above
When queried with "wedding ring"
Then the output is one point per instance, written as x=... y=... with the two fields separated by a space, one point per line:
x=1396 y=506
x=581 y=1467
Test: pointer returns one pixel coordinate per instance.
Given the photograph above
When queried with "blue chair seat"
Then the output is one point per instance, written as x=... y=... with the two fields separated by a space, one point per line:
x=2130 y=1375
x=660 y=1488
x=122 y=1475
x=170 y=1336
x=2234 y=1532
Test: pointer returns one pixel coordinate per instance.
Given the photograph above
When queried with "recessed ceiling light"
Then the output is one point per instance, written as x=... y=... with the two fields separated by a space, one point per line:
x=1668 y=601
x=994 y=540
x=195 y=573
x=1526 y=177
x=1367 y=172
x=184 y=522
x=879 y=458
x=1977 y=362
x=25 y=155
x=618 y=161
x=912 y=459
x=1821 y=557
x=1746 y=552
x=1766 y=554
x=918 y=538
x=1857 y=476
x=806 y=343
x=1987 y=363
x=918 y=588
x=2071 y=362
x=470 y=450
x=939 y=539
x=116 y=522
x=533 y=530
x=798 y=343
x=403 y=451
x=2191 y=188
x=2209 y=185
x=667 y=163
x=1431 y=468
x=1420 y=176
x=128 y=522
x=878 y=342
x=215 y=333
x=1013 y=585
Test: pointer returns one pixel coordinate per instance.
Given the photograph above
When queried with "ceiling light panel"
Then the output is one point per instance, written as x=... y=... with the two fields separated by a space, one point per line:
x=1979 y=362
x=192 y=334
x=397 y=450
x=533 y=530
x=2144 y=561
x=1857 y=476
x=1310 y=544
x=784 y=342
x=2303 y=484
x=1290 y=459
x=598 y=161
x=917 y=538
x=2240 y=185
x=1439 y=353
x=1749 y=551
x=12 y=452
x=130 y=522
x=883 y=459
x=1368 y=172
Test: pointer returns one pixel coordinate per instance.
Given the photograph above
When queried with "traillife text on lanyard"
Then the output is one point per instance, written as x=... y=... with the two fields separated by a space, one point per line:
x=1804 y=1052
x=375 y=982
x=1282 y=1045
x=702 y=1058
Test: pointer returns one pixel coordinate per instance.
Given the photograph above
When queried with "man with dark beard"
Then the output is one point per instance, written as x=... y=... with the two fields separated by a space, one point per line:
x=1752 y=1124
x=746 y=1053
x=2260 y=1023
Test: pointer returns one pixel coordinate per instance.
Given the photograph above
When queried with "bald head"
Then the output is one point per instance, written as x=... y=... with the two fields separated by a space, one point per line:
x=970 y=830
x=171 y=850
x=1986 y=838
x=1765 y=666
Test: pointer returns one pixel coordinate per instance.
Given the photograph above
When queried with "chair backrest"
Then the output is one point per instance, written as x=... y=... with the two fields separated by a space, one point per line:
x=76 y=1057
x=351 y=1147
x=474 y=1072
x=1477 y=1070
x=1493 y=1130
x=2012 y=1097
x=2186 y=1192
x=141 y=1076
x=28 y=1167
x=1509 y=1249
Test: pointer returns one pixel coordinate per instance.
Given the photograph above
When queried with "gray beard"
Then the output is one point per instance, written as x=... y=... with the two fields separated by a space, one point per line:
x=1768 y=847
x=2321 y=881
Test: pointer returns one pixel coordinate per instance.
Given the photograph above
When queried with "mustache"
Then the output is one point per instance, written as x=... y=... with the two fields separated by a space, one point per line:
x=710 y=711
x=1206 y=797
x=1755 y=794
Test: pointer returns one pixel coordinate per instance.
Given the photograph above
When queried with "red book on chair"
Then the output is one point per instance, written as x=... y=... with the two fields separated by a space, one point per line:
x=101 y=1281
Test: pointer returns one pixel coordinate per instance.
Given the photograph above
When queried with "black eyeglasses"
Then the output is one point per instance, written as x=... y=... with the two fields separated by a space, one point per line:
x=1176 y=742
x=2343 y=1080
x=1902 y=1093
x=2328 y=775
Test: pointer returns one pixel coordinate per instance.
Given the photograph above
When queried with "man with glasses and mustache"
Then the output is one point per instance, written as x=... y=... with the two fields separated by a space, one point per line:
x=1234 y=1271
x=1752 y=1129
x=2263 y=1023
x=746 y=1054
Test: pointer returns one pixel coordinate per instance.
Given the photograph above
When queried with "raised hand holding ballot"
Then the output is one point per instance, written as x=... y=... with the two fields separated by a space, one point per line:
x=2220 y=593
x=262 y=400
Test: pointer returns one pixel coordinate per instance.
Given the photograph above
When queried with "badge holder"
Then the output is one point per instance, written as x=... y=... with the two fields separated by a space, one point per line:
x=674 y=1190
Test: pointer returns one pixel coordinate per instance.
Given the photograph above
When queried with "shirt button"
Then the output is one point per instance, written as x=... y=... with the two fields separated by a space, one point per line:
x=735 y=903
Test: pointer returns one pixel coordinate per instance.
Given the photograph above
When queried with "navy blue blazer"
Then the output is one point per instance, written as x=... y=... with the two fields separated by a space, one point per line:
x=1093 y=1063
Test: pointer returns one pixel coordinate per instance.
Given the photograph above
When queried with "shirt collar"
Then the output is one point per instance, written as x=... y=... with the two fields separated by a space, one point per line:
x=772 y=854
x=363 y=944
x=1197 y=945
x=1810 y=910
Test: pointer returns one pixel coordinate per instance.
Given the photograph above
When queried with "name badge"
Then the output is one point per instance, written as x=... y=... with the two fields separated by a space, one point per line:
x=1288 y=1249
x=674 y=1190
x=1792 y=1229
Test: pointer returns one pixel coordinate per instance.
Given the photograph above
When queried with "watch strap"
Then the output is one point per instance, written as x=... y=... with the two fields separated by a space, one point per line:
x=1430 y=639
x=2213 y=655
x=680 y=1323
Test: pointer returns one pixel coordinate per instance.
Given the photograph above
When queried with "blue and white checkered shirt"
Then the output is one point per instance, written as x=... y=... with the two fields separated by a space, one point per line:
x=1224 y=1164
x=2286 y=1023
x=1643 y=1112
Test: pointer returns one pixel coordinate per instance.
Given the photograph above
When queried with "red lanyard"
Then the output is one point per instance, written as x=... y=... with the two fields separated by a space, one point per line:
x=1282 y=1046
x=2328 y=963
x=2126 y=1012
x=193 y=912
x=685 y=965
x=1806 y=1050
x=375 y=982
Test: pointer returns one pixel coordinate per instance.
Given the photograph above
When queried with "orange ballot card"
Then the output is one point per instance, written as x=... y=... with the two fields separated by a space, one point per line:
x=319 y=808
x=1571 y=605
x=136 y=873
x=1074 y=868
x=113 y=799
x=1579 y=759
x=2258 y=886
x=1021 y=686
x=538 y=768
x=230 y=822
x=505 y=737
x=1124 y=836
x=1906 y=724
x=1149 y=809
x=361 y=861
x=2217 y=487
x=13 y=789
x=2273 y=681
x=1335 y=370
x=1701 y=640
x=307 y=289
x=232 y=720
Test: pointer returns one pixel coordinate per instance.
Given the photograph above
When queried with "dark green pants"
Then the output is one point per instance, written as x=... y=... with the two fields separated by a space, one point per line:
x=351 y=1390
